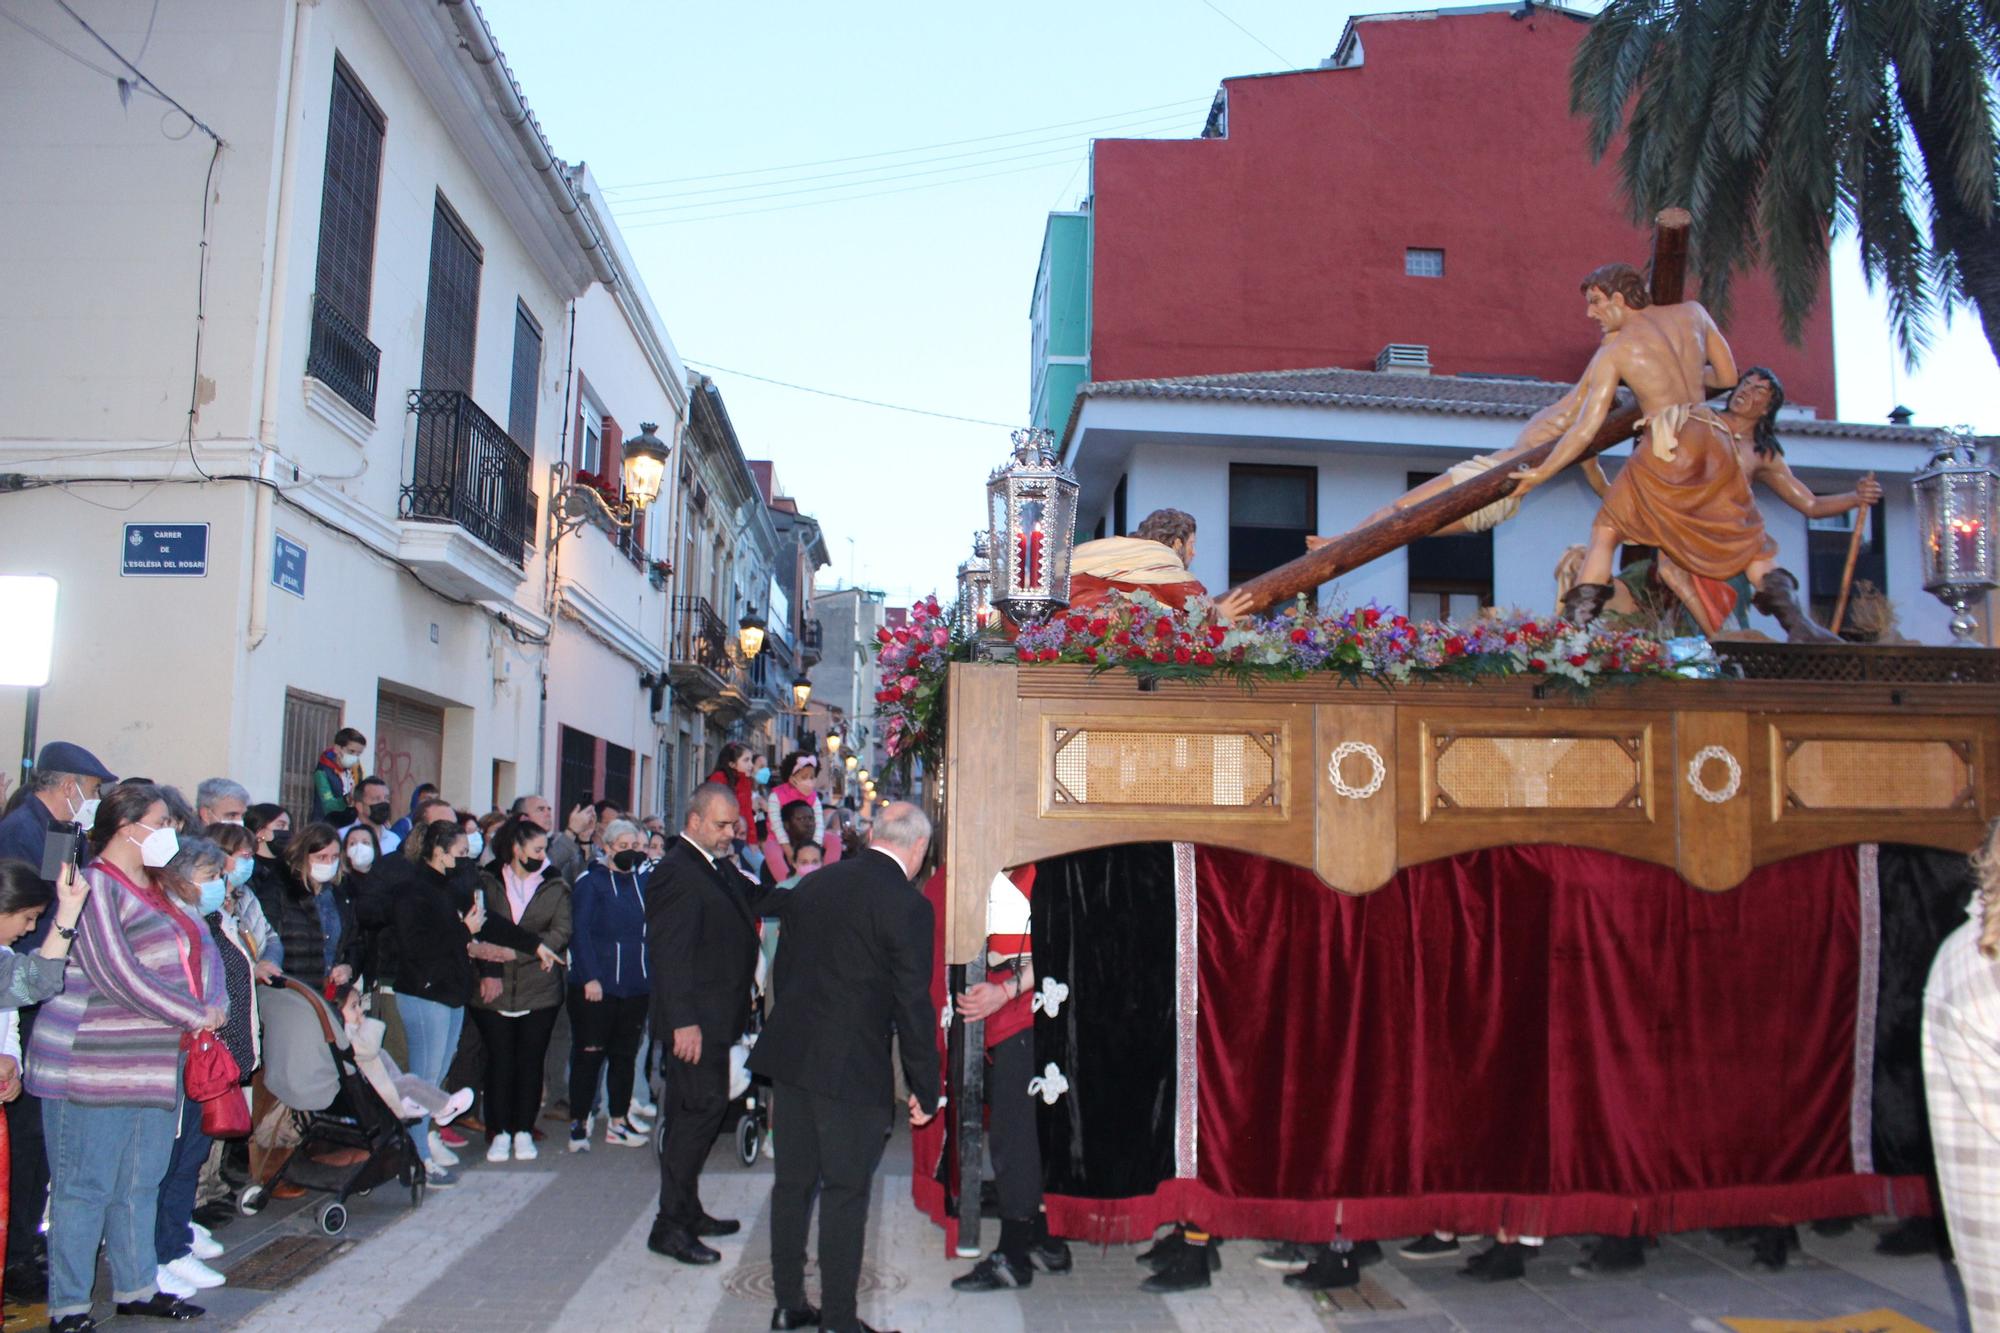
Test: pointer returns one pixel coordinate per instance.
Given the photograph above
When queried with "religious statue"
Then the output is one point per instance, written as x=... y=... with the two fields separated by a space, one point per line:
x=1154 y=558
x=1686 y=490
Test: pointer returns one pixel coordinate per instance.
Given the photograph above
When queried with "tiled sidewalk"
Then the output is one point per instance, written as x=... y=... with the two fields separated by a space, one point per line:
x=560 y=1243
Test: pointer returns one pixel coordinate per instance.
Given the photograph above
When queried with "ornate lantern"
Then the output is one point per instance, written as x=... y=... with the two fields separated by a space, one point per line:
x=750 y=633
x=802 y=692
x=1955 y=496
x=1032 y=500
x=975 y=585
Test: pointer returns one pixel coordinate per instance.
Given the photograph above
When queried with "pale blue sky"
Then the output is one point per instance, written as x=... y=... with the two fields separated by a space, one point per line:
x=761 y=114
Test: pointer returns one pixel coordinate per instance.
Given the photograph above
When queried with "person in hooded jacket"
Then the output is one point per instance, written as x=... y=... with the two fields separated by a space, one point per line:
x=515 y=1010
x=312 y=917
x=611 y=985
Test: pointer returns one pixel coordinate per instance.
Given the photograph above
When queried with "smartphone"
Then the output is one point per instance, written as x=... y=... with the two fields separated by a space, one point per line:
x=63 y=847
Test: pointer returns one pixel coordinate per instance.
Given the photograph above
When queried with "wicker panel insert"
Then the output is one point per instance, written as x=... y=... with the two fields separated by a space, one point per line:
x=1536 y=773
x=1878 y=775
x=1201 y=769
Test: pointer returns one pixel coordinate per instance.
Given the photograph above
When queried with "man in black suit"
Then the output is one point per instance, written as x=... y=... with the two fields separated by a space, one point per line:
x=701 y=944
x=854 y=966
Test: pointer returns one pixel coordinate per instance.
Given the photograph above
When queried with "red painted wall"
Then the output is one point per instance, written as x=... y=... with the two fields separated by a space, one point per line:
x=1281 y=246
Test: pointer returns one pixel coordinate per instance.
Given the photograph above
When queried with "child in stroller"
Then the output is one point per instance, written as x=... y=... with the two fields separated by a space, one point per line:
x=351 y=1140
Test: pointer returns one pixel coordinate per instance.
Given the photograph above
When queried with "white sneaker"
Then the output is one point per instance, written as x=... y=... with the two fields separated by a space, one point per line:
x=639 y=1122
x=440 y=1153
x=624 y=1136
x=501 y=1149
x=206 y=1246
x=166 y=1280
x=524 y=1147
x=646 y=1109
x=190 y=1269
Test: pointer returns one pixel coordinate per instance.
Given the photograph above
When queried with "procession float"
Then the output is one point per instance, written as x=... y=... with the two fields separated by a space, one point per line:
x=1351 y=925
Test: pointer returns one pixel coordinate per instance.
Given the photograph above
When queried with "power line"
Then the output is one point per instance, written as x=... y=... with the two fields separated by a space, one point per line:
x=898 y=152
x=56 y=46
x=138 y=73
x=841 y=199
x=850 y=398
x=1289 y=62
x=1066 y=140
x=1062 y=152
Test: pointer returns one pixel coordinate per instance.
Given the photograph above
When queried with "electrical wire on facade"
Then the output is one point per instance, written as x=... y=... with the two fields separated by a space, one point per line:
x=851 y=398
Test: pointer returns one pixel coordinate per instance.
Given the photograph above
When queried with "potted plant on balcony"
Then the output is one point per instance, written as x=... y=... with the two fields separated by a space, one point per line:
x=657 y=573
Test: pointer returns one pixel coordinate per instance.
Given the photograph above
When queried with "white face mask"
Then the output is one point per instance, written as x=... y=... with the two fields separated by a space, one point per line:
x=362 y=855
x=86 y=813
x=323 y=872
x=349 y=760
x=158 y=847
x=475 y=843
x=238 y=821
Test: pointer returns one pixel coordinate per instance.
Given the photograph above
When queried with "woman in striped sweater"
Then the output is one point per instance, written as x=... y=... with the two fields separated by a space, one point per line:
x=106 y=1061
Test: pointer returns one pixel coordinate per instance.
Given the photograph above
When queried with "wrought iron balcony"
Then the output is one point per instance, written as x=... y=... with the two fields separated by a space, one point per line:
x=341 y=357
x=467 y=470
x=700 y=660
x=811 y=636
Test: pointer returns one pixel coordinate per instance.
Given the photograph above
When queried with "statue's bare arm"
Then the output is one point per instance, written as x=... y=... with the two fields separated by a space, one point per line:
x=1595 y=393
x=1721 y=369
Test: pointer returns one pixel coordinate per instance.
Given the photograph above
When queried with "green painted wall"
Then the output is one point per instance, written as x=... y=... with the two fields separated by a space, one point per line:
x=1059 y=316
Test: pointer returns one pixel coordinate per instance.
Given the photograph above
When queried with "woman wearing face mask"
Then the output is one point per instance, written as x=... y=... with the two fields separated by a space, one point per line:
x=312 y=918
x=106 y=1061
x=434 y=971
x=478 y=842
x=518 y=1000
x=239 y=848
x=610 y=988
x=199 y=870
x=360 y=852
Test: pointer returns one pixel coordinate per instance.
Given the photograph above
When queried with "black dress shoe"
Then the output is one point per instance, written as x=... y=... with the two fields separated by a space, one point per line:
x=161 y=1306
x=996 y=1272
x=1367 y=1252
x=1503 y=1261
x=717 y=1226
x=1916 y=1235
x=1772 y=1246
x=1187 y=1271
x=1330 y=1269
x=28 y=1281
x=1163 y=1249
x=1051 y=1256
x=680 y=1245
x=73 y=1323
x=801 y=1316
x=1610 y=1255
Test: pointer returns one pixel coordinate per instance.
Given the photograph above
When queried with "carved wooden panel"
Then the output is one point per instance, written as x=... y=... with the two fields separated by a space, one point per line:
x=1187 y=766
x=1872 y=774
x=1477 y=772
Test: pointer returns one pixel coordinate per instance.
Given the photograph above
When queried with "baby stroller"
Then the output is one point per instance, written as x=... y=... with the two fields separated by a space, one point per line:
x=749 y=1100
x=351 y=1141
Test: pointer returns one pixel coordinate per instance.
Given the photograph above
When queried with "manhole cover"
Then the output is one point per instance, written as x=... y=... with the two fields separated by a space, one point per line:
x=752 y=1281
x=1367 y=1297
x=285 y=1260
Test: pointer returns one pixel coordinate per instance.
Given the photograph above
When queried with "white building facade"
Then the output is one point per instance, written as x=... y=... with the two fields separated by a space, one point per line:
x=352 y=526
x=1260 y=460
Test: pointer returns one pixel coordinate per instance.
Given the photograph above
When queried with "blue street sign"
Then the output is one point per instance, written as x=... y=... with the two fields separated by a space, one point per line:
x=288 y=565
x=165 y=550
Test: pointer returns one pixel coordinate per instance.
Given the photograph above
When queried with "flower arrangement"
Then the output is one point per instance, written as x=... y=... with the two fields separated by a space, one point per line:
x=1141 y=635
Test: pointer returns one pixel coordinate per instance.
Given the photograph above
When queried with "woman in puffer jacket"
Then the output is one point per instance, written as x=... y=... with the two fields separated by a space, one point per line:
x=610 y=986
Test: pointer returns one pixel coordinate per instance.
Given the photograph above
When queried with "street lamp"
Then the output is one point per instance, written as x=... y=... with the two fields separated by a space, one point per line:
x=1955 y=496
x=1032 y=501
x=865 y=775
x=572 y=504
x=833 y=742
x=750 y=633
x=802 y=690
x=852 y=763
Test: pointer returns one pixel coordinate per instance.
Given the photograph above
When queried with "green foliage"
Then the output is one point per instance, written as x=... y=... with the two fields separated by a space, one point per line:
x=1777 y=122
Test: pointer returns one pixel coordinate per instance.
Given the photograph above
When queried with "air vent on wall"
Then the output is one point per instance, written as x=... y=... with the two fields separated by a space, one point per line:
x=1404 y=359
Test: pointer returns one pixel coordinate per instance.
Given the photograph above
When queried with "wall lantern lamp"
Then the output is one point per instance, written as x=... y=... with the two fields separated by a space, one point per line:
x=802 y=691
x=572 y=504
x=833 y=742
x=1032 y=502
x=750 y=633
x=1955 y=495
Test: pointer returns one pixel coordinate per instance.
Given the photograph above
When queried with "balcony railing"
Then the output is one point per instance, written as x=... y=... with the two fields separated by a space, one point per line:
x=468 y=471
x=341 y=357
x=700 y=637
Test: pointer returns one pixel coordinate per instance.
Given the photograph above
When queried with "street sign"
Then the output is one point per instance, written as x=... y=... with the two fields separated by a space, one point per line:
x=288 y=565
x=165 y=550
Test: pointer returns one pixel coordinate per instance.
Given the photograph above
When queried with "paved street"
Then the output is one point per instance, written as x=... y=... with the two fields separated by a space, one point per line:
x=560 y=1243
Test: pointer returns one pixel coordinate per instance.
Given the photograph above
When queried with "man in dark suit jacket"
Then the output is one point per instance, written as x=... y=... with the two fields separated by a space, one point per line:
x=853 y=967
x=701 y=945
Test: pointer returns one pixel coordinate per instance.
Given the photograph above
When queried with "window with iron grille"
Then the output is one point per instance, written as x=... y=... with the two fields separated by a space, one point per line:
x=1451 y=578
x=576 y=770
x=1423 y=263
x=306 y=730
x=618 y=775
x=346 y=273
x=523 y=399
x=451 y=311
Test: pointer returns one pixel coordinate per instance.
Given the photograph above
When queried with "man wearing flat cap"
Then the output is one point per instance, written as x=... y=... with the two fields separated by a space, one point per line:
x=62 y=786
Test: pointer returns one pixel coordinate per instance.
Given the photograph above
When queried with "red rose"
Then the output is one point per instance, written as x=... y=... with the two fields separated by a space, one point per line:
x=1454 y=646
x=1160 y=656
x=1205 y=658
x=1400 y=621
x=1025 y=654
x=1124 y=636
x=1512 y=637
x=1578 y=659
x=1090 y=654
x=1183 y=656
x=1162 y=628
x=1076 y=624
x=1135 y=653
x=1099 y=625
x=1537 y=664
x=1299 y=636
x=1530 y=628
x=883 y=635
x=1216 y=634
x=1611 y=662
x=1050 y=654
x=1371 y=617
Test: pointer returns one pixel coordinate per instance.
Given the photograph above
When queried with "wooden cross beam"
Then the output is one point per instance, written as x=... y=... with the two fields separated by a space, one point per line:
x=1400 y=527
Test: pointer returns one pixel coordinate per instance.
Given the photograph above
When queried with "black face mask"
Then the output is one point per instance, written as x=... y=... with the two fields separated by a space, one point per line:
x=463 y=863
x=628 y=860
x=280 y=840
x=534 y=863
x=378 y=813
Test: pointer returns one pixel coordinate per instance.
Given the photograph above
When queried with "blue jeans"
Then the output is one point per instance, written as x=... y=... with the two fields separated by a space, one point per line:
x=173 y=1236
x=432 y=1030
x=105 y=1165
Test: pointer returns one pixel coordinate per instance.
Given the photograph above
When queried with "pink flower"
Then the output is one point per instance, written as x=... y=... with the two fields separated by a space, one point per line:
x=940 y=635
x=908 y=684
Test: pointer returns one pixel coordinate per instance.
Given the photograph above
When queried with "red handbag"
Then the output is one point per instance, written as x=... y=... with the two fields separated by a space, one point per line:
x=210 y=1073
